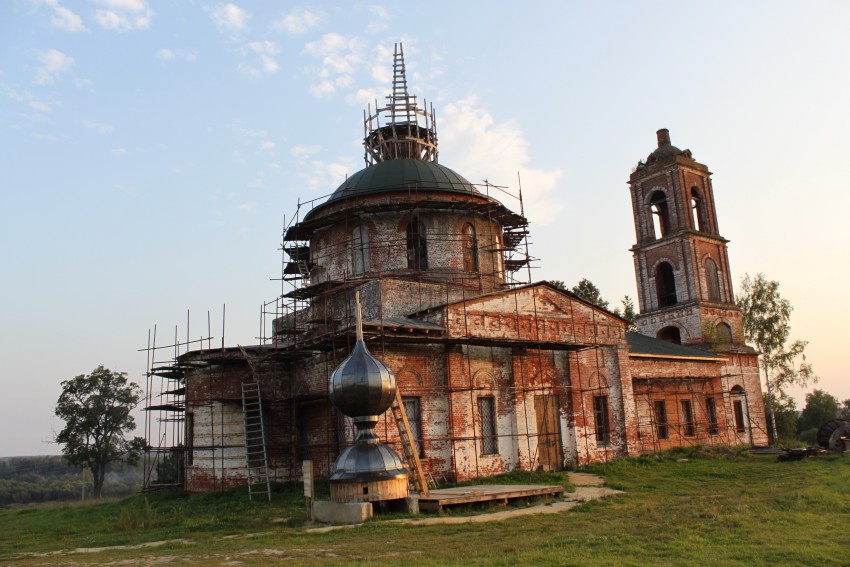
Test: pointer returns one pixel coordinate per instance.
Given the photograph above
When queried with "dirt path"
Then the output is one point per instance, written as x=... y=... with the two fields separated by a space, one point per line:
x=588 y=487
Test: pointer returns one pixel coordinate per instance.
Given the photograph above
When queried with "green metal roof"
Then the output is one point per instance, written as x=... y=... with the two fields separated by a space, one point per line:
x=648 y=346
x=410 y=174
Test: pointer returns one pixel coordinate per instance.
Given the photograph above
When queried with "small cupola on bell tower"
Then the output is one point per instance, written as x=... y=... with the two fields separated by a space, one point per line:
x=681 y=261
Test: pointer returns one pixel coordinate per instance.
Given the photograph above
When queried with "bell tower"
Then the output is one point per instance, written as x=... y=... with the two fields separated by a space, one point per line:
x=681 y=262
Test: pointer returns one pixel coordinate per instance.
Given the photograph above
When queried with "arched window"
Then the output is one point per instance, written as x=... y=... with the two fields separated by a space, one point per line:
x=698 y=211
x=417 y=248
x=360 y=249
x=712 y=280
x=665 y=285
x=723 y=334
x=469 y=241
x=670 y=334
x=660 y=214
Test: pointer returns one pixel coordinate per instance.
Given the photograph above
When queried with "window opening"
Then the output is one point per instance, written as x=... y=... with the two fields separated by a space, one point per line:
x=601 y=421
x=417 y=249
x=303 y=434
x=413 y=409
x=688 y=425
x=738 y=405
x=661 y=419
x=487 y=421
x=711 y=414
x=470 y=248
x=360 y=249
x=670 y=334
x=697 y=211
x=665 y=285
x=190 y=438
x=660 y=214
x=712 y=280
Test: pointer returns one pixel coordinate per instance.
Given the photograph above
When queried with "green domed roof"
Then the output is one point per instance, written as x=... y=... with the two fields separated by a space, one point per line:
x=401 y=174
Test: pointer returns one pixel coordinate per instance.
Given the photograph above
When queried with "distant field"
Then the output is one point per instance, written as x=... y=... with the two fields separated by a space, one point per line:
x=681 y=509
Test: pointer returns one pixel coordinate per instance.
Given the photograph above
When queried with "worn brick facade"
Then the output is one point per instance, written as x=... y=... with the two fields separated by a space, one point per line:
x=502 y=376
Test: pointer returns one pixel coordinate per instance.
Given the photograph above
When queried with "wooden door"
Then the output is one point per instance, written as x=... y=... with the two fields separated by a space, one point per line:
x=546 y=407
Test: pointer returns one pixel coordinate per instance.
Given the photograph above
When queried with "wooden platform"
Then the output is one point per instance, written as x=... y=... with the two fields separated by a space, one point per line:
x=484 y=493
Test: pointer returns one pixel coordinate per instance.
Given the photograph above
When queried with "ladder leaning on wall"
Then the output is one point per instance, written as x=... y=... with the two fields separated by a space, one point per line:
x=256 y=456
x=408 y=446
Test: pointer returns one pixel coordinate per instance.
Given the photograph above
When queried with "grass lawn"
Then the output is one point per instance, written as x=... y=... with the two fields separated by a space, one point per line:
x=684 y=508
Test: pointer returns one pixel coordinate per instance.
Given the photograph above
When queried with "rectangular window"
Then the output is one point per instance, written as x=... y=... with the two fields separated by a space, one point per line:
x=711 y=415
x=487 y=420
x=600 y=418
x=688 y=425
x=413 y=409
x=660 y=407
x=303 y=434
x=190 y=437
x=739 y=416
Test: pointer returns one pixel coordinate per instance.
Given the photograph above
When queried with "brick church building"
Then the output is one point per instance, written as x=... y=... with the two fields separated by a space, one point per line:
x=495 y=373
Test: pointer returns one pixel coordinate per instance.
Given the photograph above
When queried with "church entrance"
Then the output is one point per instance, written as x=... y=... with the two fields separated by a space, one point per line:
x=548 y=432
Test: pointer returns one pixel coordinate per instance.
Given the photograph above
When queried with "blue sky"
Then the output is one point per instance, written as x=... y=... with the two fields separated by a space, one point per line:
x=154 y=150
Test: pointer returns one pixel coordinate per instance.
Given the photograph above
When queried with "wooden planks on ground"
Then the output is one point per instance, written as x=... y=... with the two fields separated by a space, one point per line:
x=484 y=493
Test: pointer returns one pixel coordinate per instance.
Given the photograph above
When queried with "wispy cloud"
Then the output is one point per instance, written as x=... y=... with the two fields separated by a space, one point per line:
x=167 y=54
x=98 y=127
x=339 y=58
x=65 y=19
x=230 y=18
x=40 y=106
x=381 y=21
x=298 y=21
x=53 y=62
x=123 y=15
x=324 y=177
x=482 y=148
x=265 y=62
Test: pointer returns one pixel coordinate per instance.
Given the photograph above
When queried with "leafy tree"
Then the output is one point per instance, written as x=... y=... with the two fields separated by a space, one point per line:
x=590 y=293
x=96 y=410
x=628 y=312
x=559 y=284
x=786 y=419
x=766 y=324
x=844 y=410
x=820 y=408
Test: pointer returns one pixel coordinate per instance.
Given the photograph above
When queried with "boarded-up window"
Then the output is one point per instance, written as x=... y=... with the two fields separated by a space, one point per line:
x=413 y=409
x=711 y=416
x=712 y=280
x=487 y=424
x=660 y=407
x=600 y=419
x=688 y=425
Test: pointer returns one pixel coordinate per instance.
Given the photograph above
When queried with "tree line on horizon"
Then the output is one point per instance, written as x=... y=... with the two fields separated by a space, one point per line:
x=48 y=478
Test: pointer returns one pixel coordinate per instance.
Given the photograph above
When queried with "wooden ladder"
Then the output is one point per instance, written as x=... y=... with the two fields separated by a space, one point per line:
x=408 y=446
x=255 y=442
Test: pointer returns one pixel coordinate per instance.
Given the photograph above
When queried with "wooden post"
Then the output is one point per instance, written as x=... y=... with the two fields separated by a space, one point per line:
x=307 y=474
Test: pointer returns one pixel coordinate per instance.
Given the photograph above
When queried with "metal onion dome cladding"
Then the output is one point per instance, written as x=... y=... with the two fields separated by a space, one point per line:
x=368 y=460
x=362 y=385
x=401 y=175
